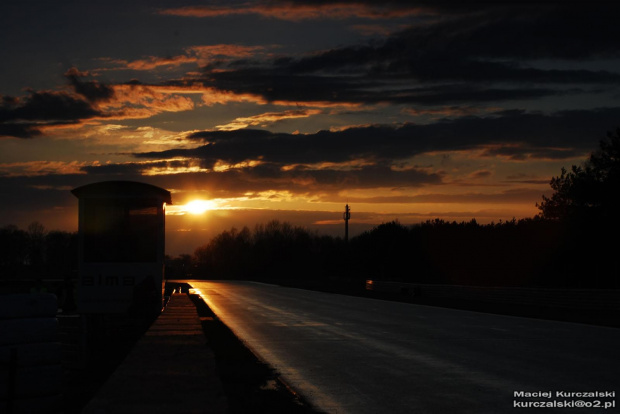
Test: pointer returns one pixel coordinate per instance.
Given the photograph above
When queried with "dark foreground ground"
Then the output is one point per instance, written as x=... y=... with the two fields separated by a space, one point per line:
x=252 y=386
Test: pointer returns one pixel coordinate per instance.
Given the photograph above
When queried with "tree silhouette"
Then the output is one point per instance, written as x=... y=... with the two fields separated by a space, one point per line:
x=36 y=241
x=589 y=190
x=14 y=245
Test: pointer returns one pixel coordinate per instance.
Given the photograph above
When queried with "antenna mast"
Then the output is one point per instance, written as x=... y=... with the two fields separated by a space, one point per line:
x=346 y=216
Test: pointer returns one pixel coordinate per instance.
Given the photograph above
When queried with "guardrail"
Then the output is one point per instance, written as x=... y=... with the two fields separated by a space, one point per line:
x=584 y=299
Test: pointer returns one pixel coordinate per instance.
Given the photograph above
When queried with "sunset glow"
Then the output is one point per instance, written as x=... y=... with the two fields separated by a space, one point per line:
x=198 y=206
x=285 y=110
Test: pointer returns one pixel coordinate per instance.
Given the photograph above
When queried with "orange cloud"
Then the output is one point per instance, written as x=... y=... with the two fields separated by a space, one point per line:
x=212 y=96
x=138 y=101
x=336 y=166
x=267 y=118
x=150 y=95
x=200 y=55
x=205 y=53
x=345 y=127
x=153 y=62
x=168 y=170
x=221 y=166
x=147 y=63
x=38 y=168
x=143 y=101
x=298 y=11
x=320 y=104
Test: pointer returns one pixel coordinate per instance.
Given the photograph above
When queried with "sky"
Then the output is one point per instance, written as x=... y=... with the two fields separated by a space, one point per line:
x=288 y=110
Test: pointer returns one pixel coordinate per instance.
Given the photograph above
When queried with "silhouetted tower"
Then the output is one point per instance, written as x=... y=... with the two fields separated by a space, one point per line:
x=346 y=216
x=121 y=230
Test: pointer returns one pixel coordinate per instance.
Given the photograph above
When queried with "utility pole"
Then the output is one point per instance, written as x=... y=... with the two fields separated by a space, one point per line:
x=346 y=216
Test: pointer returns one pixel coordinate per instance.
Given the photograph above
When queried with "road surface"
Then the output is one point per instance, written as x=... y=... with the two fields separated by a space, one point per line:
x=356 y=355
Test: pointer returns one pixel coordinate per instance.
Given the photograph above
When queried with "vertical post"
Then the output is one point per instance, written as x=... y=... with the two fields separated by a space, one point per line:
x=346 y=215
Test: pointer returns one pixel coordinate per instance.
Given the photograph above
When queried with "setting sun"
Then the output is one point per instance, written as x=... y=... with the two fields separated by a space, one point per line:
x=199 y=206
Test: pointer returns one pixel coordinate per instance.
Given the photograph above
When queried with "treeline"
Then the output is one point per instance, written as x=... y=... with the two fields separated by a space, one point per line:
x=37 y=253
x=573 y=242
x=578 y=252
x=533 y=252
x=276 y=250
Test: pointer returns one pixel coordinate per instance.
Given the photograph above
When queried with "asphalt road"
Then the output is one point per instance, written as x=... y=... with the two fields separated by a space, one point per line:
x=355 y=355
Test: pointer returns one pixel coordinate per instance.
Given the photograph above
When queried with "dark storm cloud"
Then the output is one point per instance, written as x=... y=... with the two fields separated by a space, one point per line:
x=47 y=106
x=19 y=130
x=132 y=168
x=264 y=177
x=455 y=94
x=527 y=152
x=360 y=178
x=91 y=90
x=277 y=85
x=341 y=9
x=494 y=52
x=538 y=30
x=24 y=118
x=515 y=134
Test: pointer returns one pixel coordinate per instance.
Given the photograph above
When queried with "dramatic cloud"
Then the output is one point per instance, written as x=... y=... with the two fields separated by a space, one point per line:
x=19 y=130
x=151 y=62
x=408 y=109
x=39 y=168
x=301 y=10
x=142 y=101
x=47 y=106
x=201 y=55
x=514 y=134
x=243 y=181
x=283 y=87
x=488 y=55
x=267 y=118
x=25 y=118
x=32 y=115
x=449 y=111
x=225 y=50
x=536 y=30
x=91 y=90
